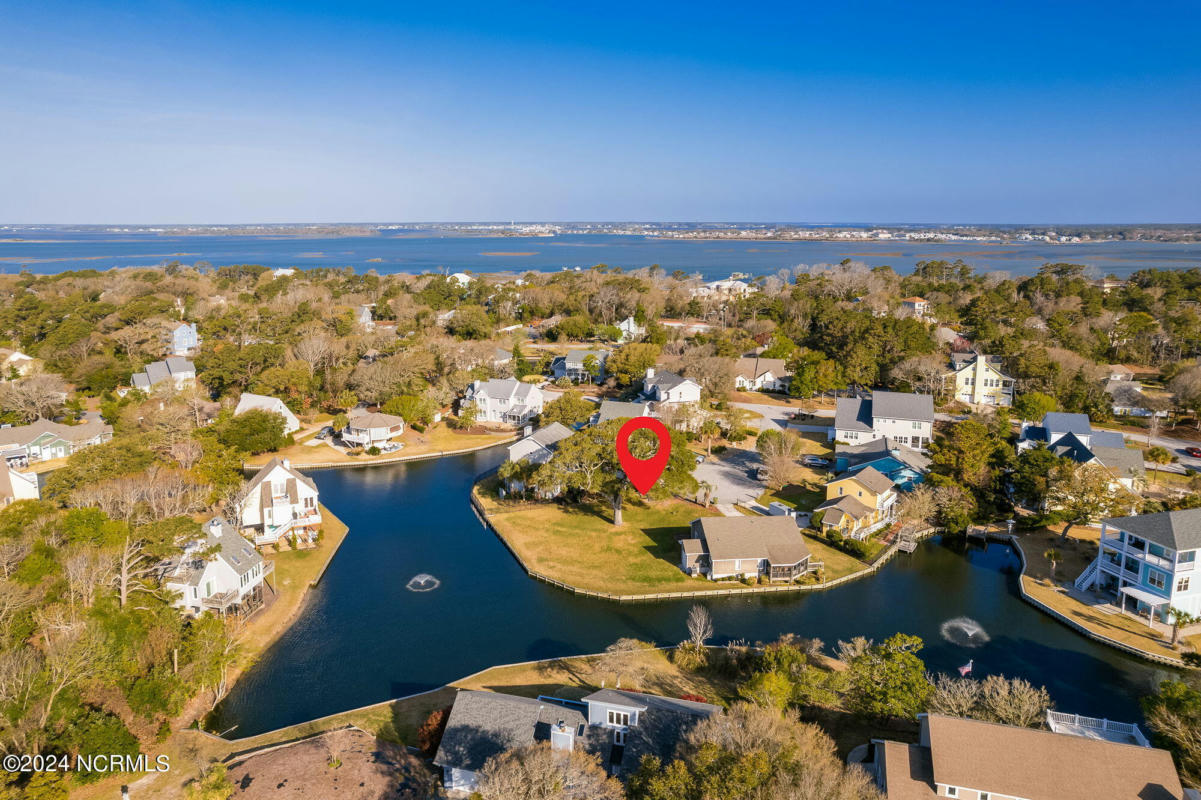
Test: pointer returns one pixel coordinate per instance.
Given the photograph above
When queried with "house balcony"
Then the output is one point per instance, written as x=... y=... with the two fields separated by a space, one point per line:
x=1111 y=568
x=273 y=533
x=1167 y=564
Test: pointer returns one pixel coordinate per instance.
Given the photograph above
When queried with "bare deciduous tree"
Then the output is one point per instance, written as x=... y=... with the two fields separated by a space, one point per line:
x=700 y=625
x=186 y=452
x=536 y=772
x=34 y=396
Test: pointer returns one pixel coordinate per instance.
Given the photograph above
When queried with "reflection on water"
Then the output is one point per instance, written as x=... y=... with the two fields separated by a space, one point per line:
x=364 y=637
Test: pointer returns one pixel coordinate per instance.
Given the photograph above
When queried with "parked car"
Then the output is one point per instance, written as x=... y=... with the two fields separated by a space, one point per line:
x=700 y=459
x=1193 y=451
x=325 y=432
x=815 y=461
x=760 y=474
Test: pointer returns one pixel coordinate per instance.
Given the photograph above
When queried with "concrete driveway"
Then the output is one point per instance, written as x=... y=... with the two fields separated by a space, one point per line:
x=731 y=475
x=775 y=418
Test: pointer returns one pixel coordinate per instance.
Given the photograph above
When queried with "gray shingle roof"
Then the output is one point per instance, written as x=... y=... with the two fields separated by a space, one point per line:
x=666 y=381
x=615 y=409
x=872 y=478
x=853 y=414
x=1176 y=530
x=24 y=434
x=1062 y=422
x=506 y=387
x=903 y=405
x=483 y=724
x=1126 y=461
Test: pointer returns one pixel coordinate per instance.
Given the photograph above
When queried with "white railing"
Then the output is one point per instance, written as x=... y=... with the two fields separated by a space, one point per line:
x=1060 y=722
x=1087 y=577
x=274 y=534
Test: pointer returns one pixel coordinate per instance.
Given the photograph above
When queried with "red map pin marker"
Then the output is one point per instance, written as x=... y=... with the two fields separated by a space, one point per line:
x=643 y=473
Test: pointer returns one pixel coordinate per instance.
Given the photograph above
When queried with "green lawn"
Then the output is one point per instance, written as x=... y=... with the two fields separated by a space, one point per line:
x=581 y=547
x=805 y=496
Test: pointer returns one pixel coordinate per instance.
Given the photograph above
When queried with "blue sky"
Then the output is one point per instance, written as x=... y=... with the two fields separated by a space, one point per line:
x=860 y=111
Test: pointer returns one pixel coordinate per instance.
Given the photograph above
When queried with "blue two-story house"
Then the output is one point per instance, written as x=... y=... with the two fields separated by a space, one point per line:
x=1146 y=563
x=183 y=339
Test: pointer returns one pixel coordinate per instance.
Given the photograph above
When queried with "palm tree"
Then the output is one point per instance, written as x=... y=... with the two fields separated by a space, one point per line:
x=706 y=492
x=1180 y=618
x=710 y=430
x=1052 y=555
x=1158 y=456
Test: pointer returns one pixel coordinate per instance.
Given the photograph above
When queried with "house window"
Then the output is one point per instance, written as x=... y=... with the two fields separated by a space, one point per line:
x=1156 y=578
x=1186 y=558
x=1182 y=584
x=621 y=718
x=952 y=791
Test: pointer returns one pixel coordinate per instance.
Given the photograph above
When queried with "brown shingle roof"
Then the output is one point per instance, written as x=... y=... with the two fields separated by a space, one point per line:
x=1040 y=765
x=775 y=538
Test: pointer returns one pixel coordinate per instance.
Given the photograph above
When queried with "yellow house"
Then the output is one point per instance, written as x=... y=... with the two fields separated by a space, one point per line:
x=858 y=503
x=978 y=379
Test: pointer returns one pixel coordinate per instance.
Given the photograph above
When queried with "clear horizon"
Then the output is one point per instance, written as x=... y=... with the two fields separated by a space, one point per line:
x=301 y=113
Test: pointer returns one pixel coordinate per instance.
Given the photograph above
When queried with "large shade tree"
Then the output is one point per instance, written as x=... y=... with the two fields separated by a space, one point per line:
x=587 y=467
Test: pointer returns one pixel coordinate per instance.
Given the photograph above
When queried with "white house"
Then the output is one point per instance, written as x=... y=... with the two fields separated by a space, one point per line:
x=630 y=330
x=282 y=272
x=1073 y=436
x=280 y=502
x=230 y=580
x=371 y=428
x=506 y=400
x=917 y=307
x=535 y=449
x=1146 y=563
x=978 y=380
x=15 y=362
x=174 y=371
x=761 y=374
x=364 y=318
x=618 y=727
x=261 y=402
x=460 y=279
x=668 y=387
x=900 y=416
x=183 y=339
x=16 y=486
x=728 y=288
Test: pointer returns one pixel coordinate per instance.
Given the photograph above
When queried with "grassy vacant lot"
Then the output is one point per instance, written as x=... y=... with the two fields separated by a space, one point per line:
x=1075 y=554
x=436 y=439
x=579 y=545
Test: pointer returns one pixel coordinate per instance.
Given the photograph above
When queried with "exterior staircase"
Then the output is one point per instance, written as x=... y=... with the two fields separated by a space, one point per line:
x=1088 y=576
